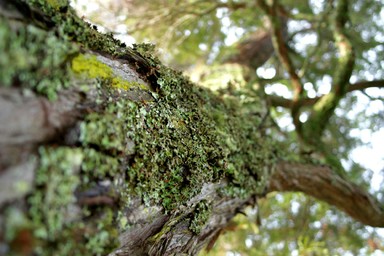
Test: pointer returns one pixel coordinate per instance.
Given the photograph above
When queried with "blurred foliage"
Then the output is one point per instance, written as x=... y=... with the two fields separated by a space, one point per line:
x=293 y=224
x=191 y=34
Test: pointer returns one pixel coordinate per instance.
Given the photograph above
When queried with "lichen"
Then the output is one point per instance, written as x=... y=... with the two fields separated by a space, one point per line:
x=187 y=137
x=53 y=214
x=90 y=67
x=191 y=136
x=200 y=216
x=97 y=166
x=57 y=175
x=55 y=183
x=164 y=149
x=34 y=58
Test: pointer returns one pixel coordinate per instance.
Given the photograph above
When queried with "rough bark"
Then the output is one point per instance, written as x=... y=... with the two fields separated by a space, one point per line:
x=156 y=233
x=122 y=155
x=324 y=184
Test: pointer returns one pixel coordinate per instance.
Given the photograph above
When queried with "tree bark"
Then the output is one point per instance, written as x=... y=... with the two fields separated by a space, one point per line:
x=324 y=184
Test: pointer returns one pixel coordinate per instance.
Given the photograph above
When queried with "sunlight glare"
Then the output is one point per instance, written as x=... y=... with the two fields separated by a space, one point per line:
x=310 y=90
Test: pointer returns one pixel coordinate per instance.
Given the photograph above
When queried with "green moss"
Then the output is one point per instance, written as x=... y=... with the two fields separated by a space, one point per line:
x=57 y=4
x=49 y=7
x=33 y=57
x=91 y=67
x=53 y=213
x=39 y=59
x=55 y=181
x=200 y=216
x=165 y=150
x=60 y=17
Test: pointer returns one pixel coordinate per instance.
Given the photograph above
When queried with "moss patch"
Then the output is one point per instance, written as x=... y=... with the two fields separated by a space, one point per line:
x=201 y=215
x=91 y=67
x=163 y=151
x=54 y=215
x=56 y=181
x=35 y=58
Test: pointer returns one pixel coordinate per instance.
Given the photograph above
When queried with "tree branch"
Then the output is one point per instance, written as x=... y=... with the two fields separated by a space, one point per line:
x=324 y=184
x=278 y=40
x=278 y=101
x=359 y=86
x=324 y=108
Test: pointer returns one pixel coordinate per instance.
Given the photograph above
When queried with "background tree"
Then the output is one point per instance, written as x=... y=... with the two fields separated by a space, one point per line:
x=316 y=62
x=105 y=150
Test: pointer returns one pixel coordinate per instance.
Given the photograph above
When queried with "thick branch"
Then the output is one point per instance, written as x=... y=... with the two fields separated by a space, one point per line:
x=34 y=119
x=282 y=53
x=278 y=101
x=359 y=86
x=324 y=184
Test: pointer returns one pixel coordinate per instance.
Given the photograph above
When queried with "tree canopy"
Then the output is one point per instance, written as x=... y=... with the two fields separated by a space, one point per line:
x=319 y=66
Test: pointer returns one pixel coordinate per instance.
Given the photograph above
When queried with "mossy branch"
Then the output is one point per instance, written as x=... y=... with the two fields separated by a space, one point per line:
x=324 y=108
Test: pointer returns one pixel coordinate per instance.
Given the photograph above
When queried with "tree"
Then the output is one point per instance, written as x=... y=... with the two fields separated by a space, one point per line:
x=105 y=148
x=202 y=30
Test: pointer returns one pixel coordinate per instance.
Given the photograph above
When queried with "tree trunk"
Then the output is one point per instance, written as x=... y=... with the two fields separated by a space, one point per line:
x=105 y=150
x=108 y=150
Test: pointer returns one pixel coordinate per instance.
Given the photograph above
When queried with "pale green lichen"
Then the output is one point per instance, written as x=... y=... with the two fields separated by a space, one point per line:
x=53 y=213
x=103 y=130
x=33 y=57
x=200 y=216
x=188 y=137
x=97 y=166
x=16 y=222
x=165 y=149
x=57 y=4
x=91 y=67
x=55 y=184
